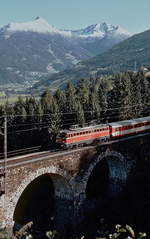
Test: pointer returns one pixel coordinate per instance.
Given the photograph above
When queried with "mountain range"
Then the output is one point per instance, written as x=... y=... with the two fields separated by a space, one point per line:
x=127 y=55
x=34 y=50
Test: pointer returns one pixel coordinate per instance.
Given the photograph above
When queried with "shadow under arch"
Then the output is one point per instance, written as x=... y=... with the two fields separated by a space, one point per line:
x=107 y=174
x=104 y=181
x=97 y=184
x=41 y=202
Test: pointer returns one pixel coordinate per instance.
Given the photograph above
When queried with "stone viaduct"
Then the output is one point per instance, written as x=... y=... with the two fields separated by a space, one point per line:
x=59 y=190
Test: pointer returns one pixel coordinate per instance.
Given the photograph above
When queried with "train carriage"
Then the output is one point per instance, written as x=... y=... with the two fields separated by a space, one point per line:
x=129 y=127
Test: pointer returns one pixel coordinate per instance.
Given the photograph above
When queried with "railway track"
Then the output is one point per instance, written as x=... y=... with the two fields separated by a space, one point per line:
x=21 y=152
x=24 y=158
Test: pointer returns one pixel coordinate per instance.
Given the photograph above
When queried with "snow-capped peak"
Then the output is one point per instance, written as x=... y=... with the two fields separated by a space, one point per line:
x=39 y=25
x=100 y=30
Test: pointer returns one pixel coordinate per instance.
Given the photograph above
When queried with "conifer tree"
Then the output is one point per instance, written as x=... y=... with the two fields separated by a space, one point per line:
x=80 y=114
x=70 y=93
x=103 y=104
x=126 y=104
x=70 y=116
x=94 y=104
x=60 y=98
x=83 y=93
x=136 y=95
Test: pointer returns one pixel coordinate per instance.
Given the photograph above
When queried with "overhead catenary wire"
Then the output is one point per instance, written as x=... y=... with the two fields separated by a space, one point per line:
x=62 y=125
x=40 y=124
x=74 y=112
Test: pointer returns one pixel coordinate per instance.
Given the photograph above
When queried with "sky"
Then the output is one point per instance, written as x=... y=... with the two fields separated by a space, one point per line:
x=133 y=15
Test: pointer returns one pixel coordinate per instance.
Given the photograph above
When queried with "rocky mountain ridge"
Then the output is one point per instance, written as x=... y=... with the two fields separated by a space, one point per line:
x=31 y=50
x=128 y=55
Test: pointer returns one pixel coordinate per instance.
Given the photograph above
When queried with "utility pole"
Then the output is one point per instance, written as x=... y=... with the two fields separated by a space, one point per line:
x=5 y=140
x=5 y=166
x=5 y=152
x=3 y=171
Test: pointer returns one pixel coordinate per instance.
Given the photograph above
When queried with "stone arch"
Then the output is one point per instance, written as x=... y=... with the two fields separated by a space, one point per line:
x=113 y=169
x=117 y=166
x=60 y=180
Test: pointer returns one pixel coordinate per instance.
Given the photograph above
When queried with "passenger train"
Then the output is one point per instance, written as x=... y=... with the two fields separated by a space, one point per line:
x=103 y=132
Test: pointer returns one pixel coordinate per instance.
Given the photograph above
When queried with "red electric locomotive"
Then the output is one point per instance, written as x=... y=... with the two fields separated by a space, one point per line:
x=83 y=136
